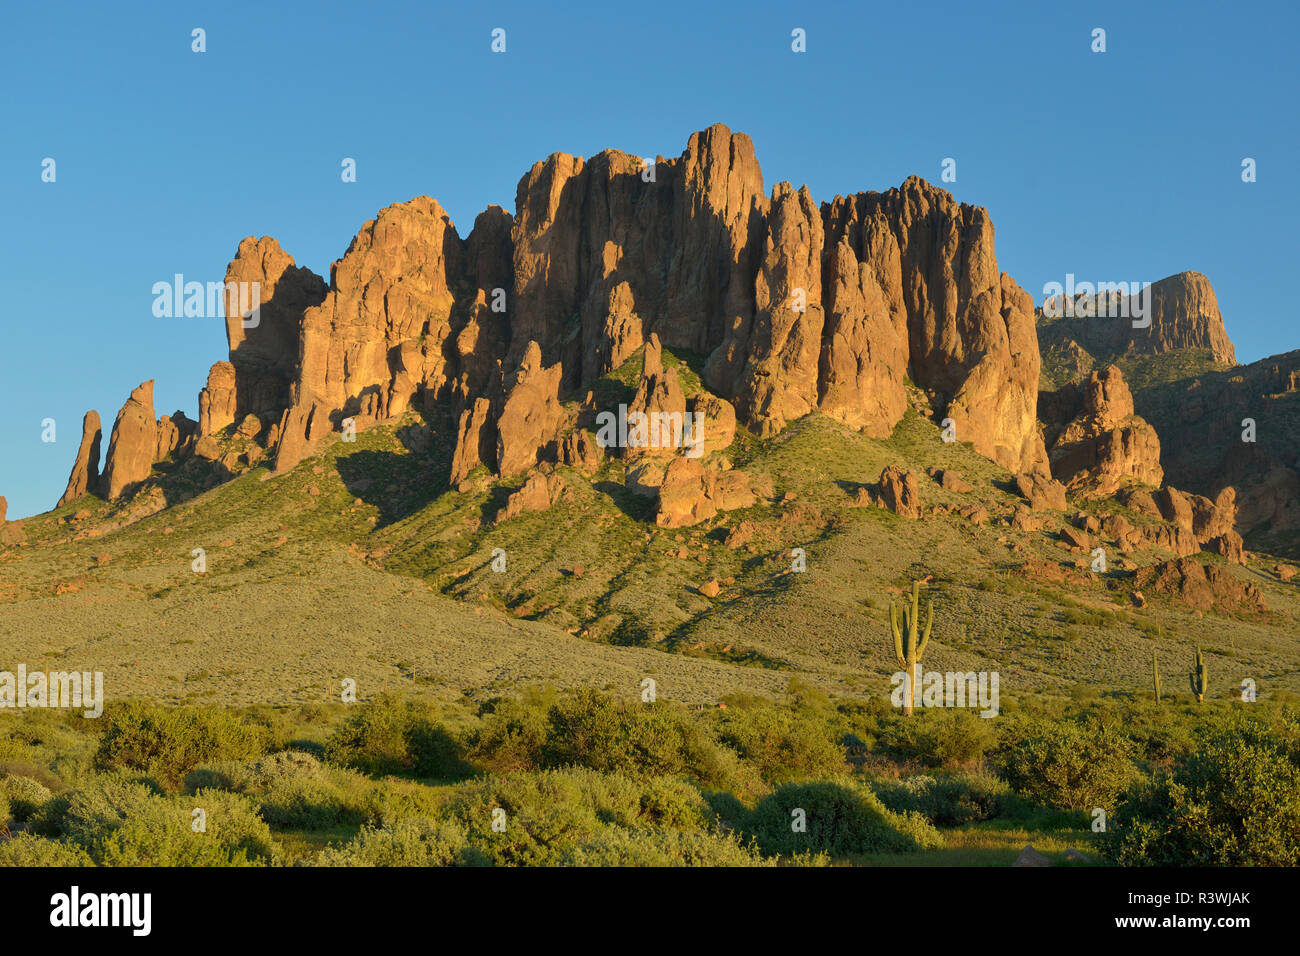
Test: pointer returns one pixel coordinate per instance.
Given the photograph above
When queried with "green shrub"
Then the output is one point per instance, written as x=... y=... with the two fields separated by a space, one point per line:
x=783 y=745
x=617 y=847
x=167 y=742
x=840 y=818
x=27 y=850
x=1065 y=764
x=595 y=730
x=404 y=843
x=24 y=795
x=49 y=817
x=552 y=812
x=510 y=737
x=397 y=800
x=545 y=817
x=396 y=736
x=122 y=822
x=293 y=790
x=948 y=800
x=938 y=737
x=1234 y=801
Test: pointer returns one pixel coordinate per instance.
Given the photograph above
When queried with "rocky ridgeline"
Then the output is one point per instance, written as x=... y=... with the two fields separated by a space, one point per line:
x=1204 y=420
x=794 y=307
x=1184 y=315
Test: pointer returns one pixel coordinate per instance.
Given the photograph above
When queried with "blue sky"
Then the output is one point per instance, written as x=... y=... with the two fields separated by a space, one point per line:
x=1123 y=165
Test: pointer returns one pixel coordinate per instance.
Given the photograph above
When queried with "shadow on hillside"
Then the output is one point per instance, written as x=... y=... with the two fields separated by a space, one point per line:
x=851 y=488
x=496 y=501
x=185 y=479
x=400 y=484
x=637 y=507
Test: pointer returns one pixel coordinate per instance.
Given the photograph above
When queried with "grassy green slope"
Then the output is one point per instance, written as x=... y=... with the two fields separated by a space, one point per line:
x=360 y=563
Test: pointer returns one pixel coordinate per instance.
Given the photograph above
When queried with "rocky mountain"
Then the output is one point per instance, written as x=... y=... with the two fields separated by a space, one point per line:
x=791 y=308
x=1238 y=428
x=1184 y=314
x=775 y=306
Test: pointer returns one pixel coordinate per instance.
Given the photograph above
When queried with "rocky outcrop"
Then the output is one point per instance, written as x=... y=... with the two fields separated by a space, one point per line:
x=267 y=296
x=531 y=416
x=1096 y=443
x=1042 y=493
x=301 y=429
x=659 y=400
x=779 y=381
x=538 y=493
x=133 y=444
x=690 y=493
x=85 y=470
x=382 y=328
x=1192 y=522
x=579 y=449
x=966 y=329
x=899 y=491
x=412 y=310
x=865 y=338
x=11 y=532
x=790 y=307
x=1206 y=587
x=1238 y=428
x=217 y=401
x=1184 y=314
x=174 y=436
x=797 y=308
x=717 y=417
x=475 y=441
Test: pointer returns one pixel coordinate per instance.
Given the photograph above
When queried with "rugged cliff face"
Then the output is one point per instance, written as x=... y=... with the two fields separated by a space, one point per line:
x=1184 y=314
x=783 y=306
x=1097 y=443
x=1238 y=428
x=794 y=308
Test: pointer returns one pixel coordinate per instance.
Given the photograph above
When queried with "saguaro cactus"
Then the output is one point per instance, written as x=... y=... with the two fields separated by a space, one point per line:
x=910 y=640
x=1155 y=675
x=1199 y=677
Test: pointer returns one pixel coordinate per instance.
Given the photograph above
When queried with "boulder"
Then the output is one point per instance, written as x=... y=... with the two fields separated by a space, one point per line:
x=1041 y=492
x=691 y=493
x=1031 y=857
x=899 y=492
x=949 y=480
x=717 y=417
x=538 y=493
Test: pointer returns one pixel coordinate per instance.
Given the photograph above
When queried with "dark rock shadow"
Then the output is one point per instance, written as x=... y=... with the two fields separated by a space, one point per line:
x=637 y=507
x=401 y=484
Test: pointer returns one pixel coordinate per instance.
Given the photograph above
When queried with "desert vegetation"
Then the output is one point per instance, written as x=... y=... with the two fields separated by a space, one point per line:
x=586 y=777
